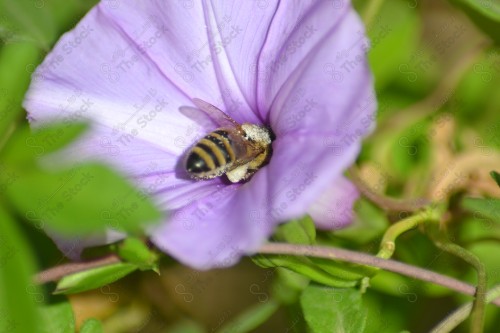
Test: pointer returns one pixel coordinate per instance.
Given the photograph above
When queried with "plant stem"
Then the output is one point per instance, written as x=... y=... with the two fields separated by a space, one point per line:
x=57 y=272
x=388 y=243
x=370 y=260
x=479 y=304
x=449 y=323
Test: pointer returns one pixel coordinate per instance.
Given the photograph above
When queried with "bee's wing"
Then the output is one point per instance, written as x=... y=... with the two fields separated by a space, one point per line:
x=200 y=117
x=217 y=115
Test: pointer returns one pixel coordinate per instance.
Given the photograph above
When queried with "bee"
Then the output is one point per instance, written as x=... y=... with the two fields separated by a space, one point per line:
x=236 y=150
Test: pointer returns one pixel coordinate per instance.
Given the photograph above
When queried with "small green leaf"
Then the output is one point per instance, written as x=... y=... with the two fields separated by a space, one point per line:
x=58 y=317
x=27 y=20
x=26 y=145
x=85 y=199
x=288 y=286
x=344 y=270
x=305 y=267
x=134 y=251
x=91 y=326
x=333 y=310
x=19 y=295
x=251 y=318
x=489 y=208
x=93 y=278
x=297 y=231
x=484 y=14
x=496 y=176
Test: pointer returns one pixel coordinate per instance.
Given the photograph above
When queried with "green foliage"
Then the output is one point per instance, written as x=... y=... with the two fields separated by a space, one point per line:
x=27 y=21
x=65 y=13
x=64 y=196
x=19 y=295
x=393 y=37
x=93 y=278
x=333 y=310
x=297 y=231
x=14 y=80
x=134 y=251
x=58 y=317
x=26 y=147
x=484 y=14
x=327 y=272
x=67 y=195
x=91 y=326
x=305 y=267
x=288 y=285
x=489 y=208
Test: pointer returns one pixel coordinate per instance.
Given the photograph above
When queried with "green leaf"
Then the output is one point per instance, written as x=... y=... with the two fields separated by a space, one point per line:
x=496 y=177
x=14 y=80
x=333 y=310
x=27 y=20
x=297 y=231
x=323 y=271
x=93 y=278
x=303 y=232
x=251 y=318
x=288 y=286
x=344 y=270
x=19 y=295
x=484 y=14
x=26 y=145
x=305 y=267
x=489 y=208
x=91 y=326
x=85 y=199
x=134 y=251
x=58 y=317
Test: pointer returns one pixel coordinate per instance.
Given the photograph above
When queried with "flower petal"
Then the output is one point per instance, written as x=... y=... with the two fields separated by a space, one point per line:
x=334 y=208
x=82 y=79
x=318 y=76
x=205 y=47
x=300 y=170
x=217 y=230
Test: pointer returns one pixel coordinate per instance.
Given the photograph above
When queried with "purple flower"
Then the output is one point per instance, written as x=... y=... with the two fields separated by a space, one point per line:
x=298 y=67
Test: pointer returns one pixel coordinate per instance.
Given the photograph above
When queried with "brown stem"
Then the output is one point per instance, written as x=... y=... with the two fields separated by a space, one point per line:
x=367 y=259
x=57 y=272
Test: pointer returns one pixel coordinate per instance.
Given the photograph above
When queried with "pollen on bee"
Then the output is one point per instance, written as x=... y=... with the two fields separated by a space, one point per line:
x=257 y=133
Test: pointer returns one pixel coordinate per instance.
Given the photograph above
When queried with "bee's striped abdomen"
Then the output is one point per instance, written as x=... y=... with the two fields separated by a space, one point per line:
x=211 y=154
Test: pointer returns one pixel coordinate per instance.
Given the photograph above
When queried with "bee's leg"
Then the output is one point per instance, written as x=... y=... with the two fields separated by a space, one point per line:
x=238 y=174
